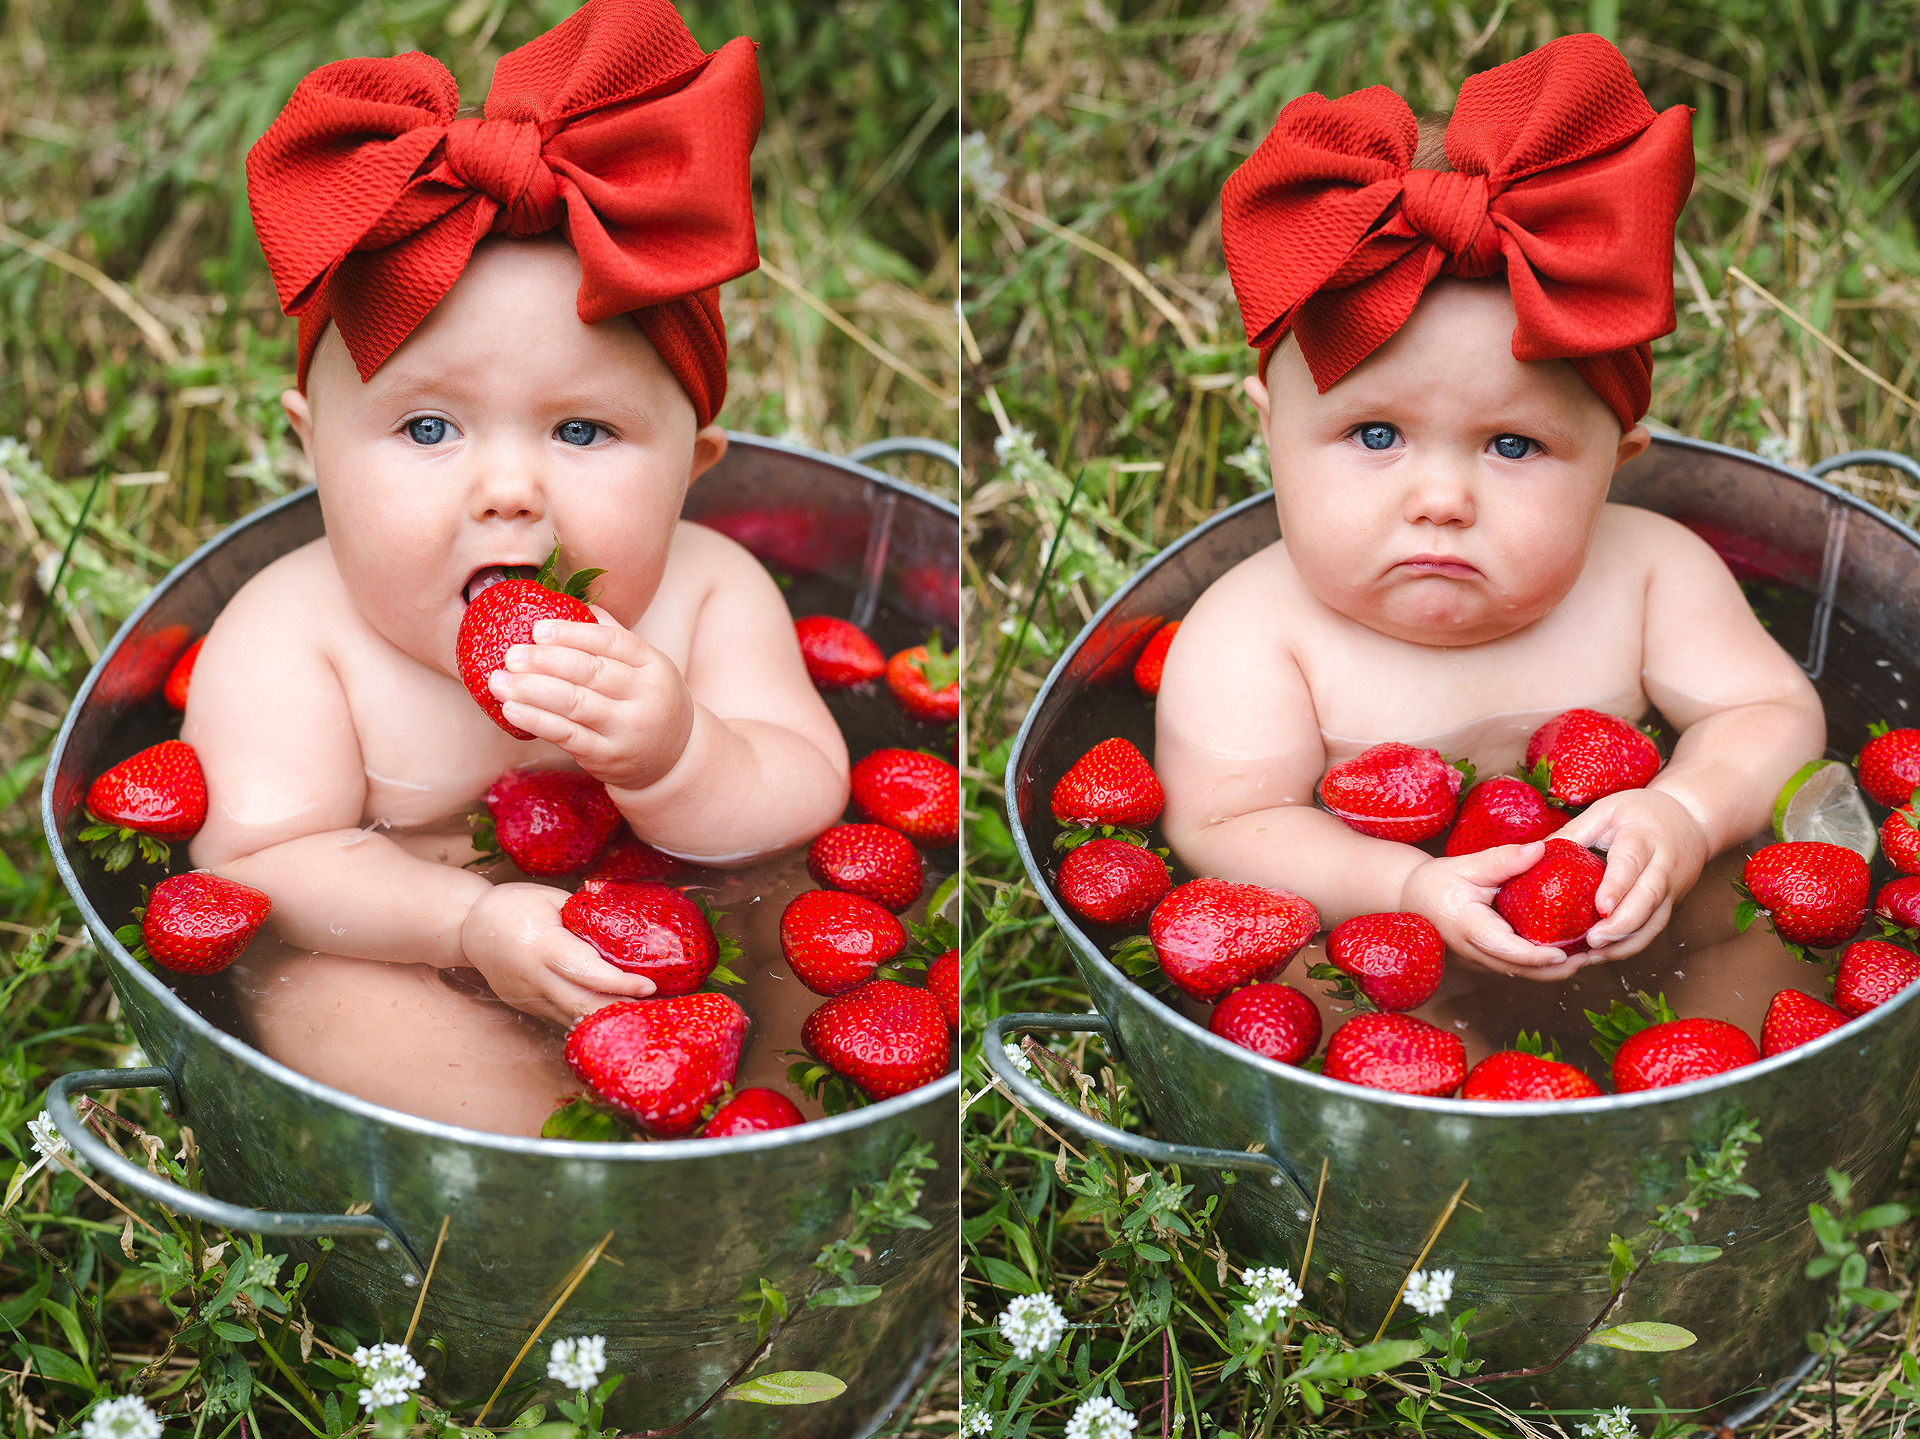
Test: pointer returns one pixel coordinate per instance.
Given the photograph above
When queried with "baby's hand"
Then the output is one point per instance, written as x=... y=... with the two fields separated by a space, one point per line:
x=1457 y=895
x=513 y=936
x=602 y=694
x=1655 y=852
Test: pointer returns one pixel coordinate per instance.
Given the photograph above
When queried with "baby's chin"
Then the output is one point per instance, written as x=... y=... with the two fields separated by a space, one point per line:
x=1441 y=614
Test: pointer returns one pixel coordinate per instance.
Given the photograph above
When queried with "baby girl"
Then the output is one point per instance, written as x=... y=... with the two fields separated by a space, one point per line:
x=1454 y=362
x=509 y=338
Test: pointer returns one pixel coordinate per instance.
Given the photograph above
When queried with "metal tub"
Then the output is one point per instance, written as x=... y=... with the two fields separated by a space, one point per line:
x=691 y=1221
x=1550 y=1182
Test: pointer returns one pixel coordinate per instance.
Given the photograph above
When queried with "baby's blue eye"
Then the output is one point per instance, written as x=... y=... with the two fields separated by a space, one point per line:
x=1378 y=437
x=578 y=432
x=1512 y=447
x=427 y=430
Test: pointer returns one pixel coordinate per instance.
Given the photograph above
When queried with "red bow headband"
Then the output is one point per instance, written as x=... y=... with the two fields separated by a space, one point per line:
x=1562 y=175
x=369 y=195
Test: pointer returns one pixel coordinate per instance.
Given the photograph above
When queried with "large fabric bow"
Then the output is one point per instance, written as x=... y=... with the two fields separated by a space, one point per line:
x=1562 y=175
x=369 y=194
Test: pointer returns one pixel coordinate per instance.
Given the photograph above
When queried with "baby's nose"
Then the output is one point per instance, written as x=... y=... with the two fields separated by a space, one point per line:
x=506 y=487
x=1441 y=493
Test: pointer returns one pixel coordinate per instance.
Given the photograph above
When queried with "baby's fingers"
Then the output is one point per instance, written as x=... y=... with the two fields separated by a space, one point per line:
x=1635 y=940
x=580 y=966
x=1491 y=868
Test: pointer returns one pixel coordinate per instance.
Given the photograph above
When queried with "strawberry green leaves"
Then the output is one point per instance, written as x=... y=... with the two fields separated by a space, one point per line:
x=1622 y=1021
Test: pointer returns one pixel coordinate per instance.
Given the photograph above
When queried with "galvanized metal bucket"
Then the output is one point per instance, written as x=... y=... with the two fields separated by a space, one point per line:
x=1549 y=1182
x=691 y=1221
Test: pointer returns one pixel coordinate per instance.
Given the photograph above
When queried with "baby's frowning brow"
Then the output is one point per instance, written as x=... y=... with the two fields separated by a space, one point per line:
x=611 y=400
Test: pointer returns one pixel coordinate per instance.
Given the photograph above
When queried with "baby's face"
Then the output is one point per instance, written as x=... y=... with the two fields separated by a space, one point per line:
x=1441 y=492
x=501 y=424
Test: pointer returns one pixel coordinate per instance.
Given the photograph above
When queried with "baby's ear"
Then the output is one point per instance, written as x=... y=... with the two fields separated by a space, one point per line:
x=300 y=416
x=1632 y=444
x=709 y=444
x=1256 y=389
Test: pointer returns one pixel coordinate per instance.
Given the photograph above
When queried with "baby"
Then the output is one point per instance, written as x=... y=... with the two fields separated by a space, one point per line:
x=1454 y=363
x=473 y=388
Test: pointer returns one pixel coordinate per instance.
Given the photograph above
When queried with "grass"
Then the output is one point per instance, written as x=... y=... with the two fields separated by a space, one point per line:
x=1101 y=331
x=141 y=347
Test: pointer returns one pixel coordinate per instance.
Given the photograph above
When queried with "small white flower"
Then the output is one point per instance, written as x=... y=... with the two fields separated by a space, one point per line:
x=1017 y=452
x=1774 y=448
x=1274 y=1295
x=49 y=1142
x=125 y=1418
x=578 y=1363
x=390 y=1372
x=1428 y=1290
x=976 y=163
x=975 y=1422
x=1252 y=462
x=1101 y=1418
x=1617 y=1425
x=1032 y=1324
x=1018 y=1059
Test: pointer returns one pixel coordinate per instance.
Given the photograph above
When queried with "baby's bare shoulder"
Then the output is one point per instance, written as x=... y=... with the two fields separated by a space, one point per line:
x=1645 y=546
x=700 y=557
x=1257 y=594
x=299 y=596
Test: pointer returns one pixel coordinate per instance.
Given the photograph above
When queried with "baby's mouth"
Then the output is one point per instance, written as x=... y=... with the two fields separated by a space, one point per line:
x=488 y=576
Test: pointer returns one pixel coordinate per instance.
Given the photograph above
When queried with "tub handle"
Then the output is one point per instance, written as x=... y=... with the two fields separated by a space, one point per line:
x=993 y=1048
x=906 y=445
x=1891 y=458
x=177 y=1197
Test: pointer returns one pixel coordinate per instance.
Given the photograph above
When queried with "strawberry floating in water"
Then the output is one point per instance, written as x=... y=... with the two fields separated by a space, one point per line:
x=1275 y=1020
x=502 y=609
x=196 y=923
x=627 y=856
x=1679 y=1050
x=1890 y=765
x=1153 y=659
x=914 y=793
x=1793 y=1019
x=885 y=1036
x=1393 y=791
x=1898 y=902
x=1502 y=810
x=869 y=860
x=1812 y=893
x=1515 y=1076
x=1552 y=903
x=1398 y=959
x=659 y=1062
x=943 y=983
x=1872 y=972
x=547 y=821
x=1583 y=755
x=1113 y=881
x=146 y=802
x=834 y=941
x=1211 y=935
x=648 y=929
x=180 y=677
x=752 y=1111
x=1112 y=783
x=1900 y=836
x=1397 y=1052
x=925 y=679
x=838 y=653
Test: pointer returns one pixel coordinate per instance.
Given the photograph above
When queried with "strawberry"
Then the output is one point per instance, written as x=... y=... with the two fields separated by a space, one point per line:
x=1900 y=836
x=1397 y=1052
x=752 y=1111
x=1552 y=903
x=1890 y=765
x=926 y=681
x=503 y=614
x=1871 y=973
x=1514 y=1075
x=885 y=1036
x=1898 y=902
x=869 y=860
x=659 y=1062
x=1112 y=783
x=627 y=856
x=196 y=923
x=1812 y=893
x=834 y=941
x=838 y=653
x=1275 y=1020
x=943 y=983
x=1677 y=1051
x=1393 y=791
x=647 y=929
x=913 y=792
x=146 y=801
x=1502 y=810
x=181 y=675
x=1793 y=1019
x=549 y=821
x=1113 y=881
x=1153 y=659
x=1398 y=958
x=1212 y=935
x=1583 y=755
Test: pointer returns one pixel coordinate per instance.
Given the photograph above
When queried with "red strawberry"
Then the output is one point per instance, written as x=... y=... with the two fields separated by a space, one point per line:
x=884 y=1036
x=913 y=792
x=659 y=1062
x=1212 y=935
x=1112 y=783
x=943 y=983
x=1275 y=1020
x=752 y=1111
x=835 y=941
x=647 y=929
x=926 y=681
x=1153 y=659
x=1552 y=903
x=869 y=860
x=627 y=856
x=838 y=653
x=1113 y=881
x=503 y=614
x=1813 y=893
x=1890 y=765
x=181 y=675
x=1793 y=1019
x=1502 y=810
x=1397 y=1052
x=1900 y=838
x=1514 y=1075
x=198 y=923
x=1871 y=973
x=1677 y=1051
x=1393 y=791
x=159 y=791
x=1398 y=958
x=138 y=668
x=1588 y=755
x=1899 y=903
x=549 y=821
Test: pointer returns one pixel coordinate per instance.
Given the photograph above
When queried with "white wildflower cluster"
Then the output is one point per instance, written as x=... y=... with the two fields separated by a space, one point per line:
x=1032 y=1324
x=1428 y=1290
x=1616 y=1425
x=976 y=163
x=1019 y=455
x=124 y=1418
x=1101 y=1418
x=578 y=1363
x=1273 y=1295
x=390 y=1374
x=975 y=1422
x=1252 y=462
x=1018 y=1059
x=1773 y=448
x=48 y=1142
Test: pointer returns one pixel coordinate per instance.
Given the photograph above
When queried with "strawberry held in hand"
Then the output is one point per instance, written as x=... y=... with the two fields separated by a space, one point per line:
x=753 y=1111
x=1397 y=1052
x=1275 y=1020
x=1679 y=1050
x=1552 y=903
x=153 y=798
x=1398 y=959
x=1212 y=935
x=1515 y=1076
x=1793 y=1019
x=1393 y=791
x=885 y=1036
x=1502 y=810
x=647 y=929
x=869 y=860
x=911 y=792
x=502 y=610
x=1113 y=881
x=925 y=679
x=1890 y=765
x=1812 y=893
x=1584 y=755
x=548 y=821
x=1871 y=973
x=833 y=941
x=1112 y=783
x=659 y=1062
x=197 y=923
x=838 y=653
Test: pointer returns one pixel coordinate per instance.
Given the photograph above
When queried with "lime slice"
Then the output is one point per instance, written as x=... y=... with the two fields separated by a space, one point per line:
x=1821 y=802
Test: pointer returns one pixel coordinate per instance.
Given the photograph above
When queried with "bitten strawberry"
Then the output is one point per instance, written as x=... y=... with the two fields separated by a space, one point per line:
x=752 y=1111
x=1890 y=765
x=1112 y=783
x=838 y=653
x=926 y=681
x=869 y=860
x=1812 y=893
x=1898 y=902
x=1398 y=959
x=1211 y=935
x=503 y=614
x=1502 y=810
x=1516 y=1076
x=627 y=856
x=1393 y=791
x=913 y=792
x=834 y=941
x=1900 y=838
x=1552 y=903
x=659 y=1062
x=1677 y=1051
x=886 y=1037
x=646 y=929
x=1397 y=1052
x=1793 y=1019
x=198 y=923
x=1275 y=1020
x=145 y=802
x=943 y=983
x=1113 y=881
x=1872 y=972
x=548 y=821
x=1584 y=755
x=1153 y=659
x=181 y=676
